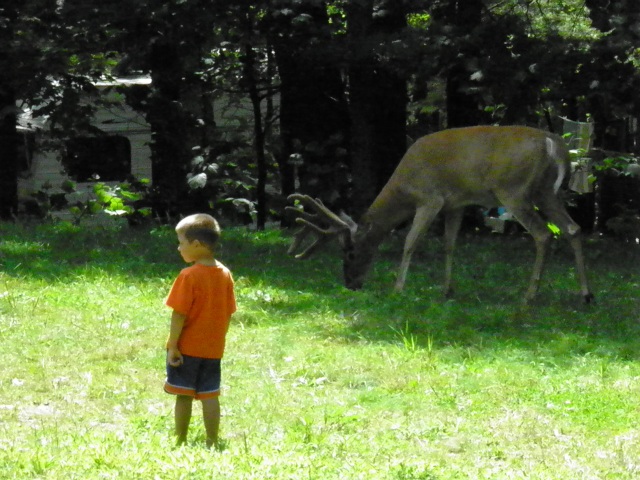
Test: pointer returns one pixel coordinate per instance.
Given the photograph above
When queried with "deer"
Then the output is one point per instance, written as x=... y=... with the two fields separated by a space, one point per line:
x=520 y=168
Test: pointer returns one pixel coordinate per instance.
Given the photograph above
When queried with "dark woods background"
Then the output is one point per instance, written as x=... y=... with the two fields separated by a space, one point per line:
x=334 y=90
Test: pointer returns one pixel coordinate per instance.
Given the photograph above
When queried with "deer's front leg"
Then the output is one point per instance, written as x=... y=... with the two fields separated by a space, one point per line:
x=452 y=223
x=425 y=214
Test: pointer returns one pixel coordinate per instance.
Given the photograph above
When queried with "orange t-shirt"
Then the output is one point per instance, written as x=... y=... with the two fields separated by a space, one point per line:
x=205 y=295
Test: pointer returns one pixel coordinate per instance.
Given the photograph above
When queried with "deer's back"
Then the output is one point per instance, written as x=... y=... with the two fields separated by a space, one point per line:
x=477 y=160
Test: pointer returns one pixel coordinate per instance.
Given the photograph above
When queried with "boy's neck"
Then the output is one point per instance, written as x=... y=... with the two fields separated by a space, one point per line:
x=206 y=261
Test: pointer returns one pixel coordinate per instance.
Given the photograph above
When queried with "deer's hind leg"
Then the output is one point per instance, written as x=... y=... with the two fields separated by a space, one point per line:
x=526 y=214
x=556 y=212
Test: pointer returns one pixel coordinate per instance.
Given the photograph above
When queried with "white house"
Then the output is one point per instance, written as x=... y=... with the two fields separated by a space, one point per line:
x=123 y=150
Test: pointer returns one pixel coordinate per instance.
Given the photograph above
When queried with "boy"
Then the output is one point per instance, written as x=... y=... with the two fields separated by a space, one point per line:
x=203 y=300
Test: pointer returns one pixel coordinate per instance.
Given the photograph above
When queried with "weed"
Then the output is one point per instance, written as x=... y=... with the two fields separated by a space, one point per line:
x=409 y=340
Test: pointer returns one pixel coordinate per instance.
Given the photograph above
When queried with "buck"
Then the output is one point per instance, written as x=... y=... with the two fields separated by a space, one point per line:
x=520 y=168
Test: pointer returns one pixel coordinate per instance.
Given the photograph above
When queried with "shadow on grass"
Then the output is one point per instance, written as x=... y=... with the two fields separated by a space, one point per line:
x=491 y=274
x=55 y=252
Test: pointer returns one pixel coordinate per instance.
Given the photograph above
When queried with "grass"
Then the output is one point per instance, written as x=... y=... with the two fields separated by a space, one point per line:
x=320 y=382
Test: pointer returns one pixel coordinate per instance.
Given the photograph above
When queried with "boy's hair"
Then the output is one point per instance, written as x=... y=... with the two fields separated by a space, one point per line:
x=201 y=227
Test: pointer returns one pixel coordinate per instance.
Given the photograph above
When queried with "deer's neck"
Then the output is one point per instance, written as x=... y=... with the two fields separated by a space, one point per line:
x=386 y=212
x=382 y=217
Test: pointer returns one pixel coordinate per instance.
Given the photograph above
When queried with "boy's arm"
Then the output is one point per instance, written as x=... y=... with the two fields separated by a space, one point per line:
x=174 y=357
x=229 y=323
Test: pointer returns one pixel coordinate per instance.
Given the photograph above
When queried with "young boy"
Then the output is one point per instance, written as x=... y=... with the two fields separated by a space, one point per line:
x=203 y=300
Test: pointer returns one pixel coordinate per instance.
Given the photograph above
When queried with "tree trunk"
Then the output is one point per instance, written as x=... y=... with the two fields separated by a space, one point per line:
x=8 y=154
x=599 y=14
x=377 y=103
x=313 y=112
x=362 y=137
x=168 y=122
x=619 y=20
x=390 y=121
x=462 y=106
x=249 y=62
x=8 y=121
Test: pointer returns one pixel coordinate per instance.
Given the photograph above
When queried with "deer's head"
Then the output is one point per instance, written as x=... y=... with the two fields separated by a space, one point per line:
x=326 y=225
x=358 y=254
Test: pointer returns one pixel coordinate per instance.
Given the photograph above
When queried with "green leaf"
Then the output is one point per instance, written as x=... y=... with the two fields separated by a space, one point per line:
x=554 y=229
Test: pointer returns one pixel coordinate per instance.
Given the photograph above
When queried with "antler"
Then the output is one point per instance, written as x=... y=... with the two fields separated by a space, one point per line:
x=324 y=223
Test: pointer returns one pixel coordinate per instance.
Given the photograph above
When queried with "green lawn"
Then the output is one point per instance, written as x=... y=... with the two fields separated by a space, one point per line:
x=320 y=382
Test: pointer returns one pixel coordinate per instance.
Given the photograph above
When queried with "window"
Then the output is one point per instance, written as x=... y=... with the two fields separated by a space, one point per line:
x=106 y=158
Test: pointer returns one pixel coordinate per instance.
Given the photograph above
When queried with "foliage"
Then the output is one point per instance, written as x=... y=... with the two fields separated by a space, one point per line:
x=41 y=69
x=617 y=163
x=127 y=200
x=52 y=60
x=547 y=18
x=319 y=382
x=620 y=173
x=419 y=21
x=516 y=61
x=225 y=176
x=626 y=224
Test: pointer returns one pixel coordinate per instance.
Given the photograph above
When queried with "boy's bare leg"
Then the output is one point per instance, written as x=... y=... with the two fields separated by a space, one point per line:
x=211 y=417
x=184 y=405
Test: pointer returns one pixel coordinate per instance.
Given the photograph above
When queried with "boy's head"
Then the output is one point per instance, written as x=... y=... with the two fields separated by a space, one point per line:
x=201 y=227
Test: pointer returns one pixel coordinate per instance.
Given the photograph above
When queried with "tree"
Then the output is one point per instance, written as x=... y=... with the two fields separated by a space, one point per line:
x=463 y=18
x=44 y=64
x=171 y=41
x=195 y=52
x=251 y=82
x=50 y=60
x=8 y=131
x=377 y=94
x=494 y=64
x=313 y=110
x=613 y=71
x=341 y=70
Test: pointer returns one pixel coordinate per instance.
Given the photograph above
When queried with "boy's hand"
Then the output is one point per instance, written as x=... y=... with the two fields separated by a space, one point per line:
x=174 y=357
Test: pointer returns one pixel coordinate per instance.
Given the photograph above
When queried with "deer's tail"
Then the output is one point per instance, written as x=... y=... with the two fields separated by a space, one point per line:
x=558 y=154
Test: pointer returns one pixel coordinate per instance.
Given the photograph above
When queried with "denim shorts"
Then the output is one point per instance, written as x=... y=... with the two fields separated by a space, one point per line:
x=196 y=377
